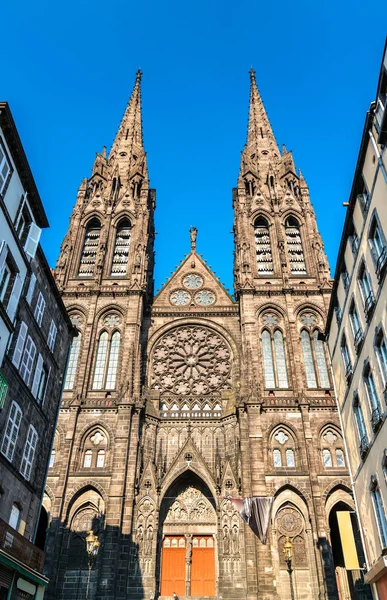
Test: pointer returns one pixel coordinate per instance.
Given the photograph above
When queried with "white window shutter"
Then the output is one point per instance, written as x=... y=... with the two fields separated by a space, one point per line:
x=15 y=295
x=3 y=255
x=21 y=338
x=38 y=373
x=31 y=288
x=29 y=452
x=52 y=336
x=11 y=431
x=46 y=386
x=32 y=240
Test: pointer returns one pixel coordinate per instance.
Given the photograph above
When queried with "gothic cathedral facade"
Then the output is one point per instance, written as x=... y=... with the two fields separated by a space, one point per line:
x=174 y=402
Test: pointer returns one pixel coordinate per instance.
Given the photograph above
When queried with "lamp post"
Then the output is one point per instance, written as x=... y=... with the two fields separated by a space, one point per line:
x=288 y=555
x=92 y=547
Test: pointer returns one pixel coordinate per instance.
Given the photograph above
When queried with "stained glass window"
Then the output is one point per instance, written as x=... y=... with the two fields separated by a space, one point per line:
x=121 y=249
x=113 y=361
x=295 y=251
x=290 y=458
x=327 y=457
x=279 y=351
x=90 y=249
x=73 y=363
x=268 y=366
x=277 y=458
x=100 y=362
x=263 y=247
x=320 y=361
x=311 y=381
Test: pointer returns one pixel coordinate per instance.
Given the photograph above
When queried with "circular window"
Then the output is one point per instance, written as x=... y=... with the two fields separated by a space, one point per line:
x=180 y=298
x=193 y=281
x=205 y=298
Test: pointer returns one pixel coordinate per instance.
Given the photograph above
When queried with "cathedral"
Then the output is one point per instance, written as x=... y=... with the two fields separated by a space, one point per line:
x=175 y=402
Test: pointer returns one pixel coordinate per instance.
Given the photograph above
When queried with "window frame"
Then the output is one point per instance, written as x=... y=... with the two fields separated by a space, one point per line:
x=39 y=309
x=11 y=431
x=29 y=452
x=258 y=247
x=5 y=161
x=104 y=355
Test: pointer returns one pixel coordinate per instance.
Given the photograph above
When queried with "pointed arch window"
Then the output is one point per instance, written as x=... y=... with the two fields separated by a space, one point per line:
x=90 y=249
x=310 y=372
x=73 y=362
x=321 y=363
x=121 y=249
x=263 y=247
x=327 y=458
x=101 y=458
x=87 y=458
x=277 y=459
x=290 y=458
x=316 y=369
x=295 y=250
x=274 y=360
x=106 y=364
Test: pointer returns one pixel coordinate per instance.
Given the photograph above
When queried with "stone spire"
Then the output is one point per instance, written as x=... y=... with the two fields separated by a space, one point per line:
x=127 y=150
x=261 y=146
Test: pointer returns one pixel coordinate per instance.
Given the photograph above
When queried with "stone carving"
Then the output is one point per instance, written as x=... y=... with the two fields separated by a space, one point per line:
x=76 y=320
x=180 y=298
x=84 y=520
x=193 y=232
x=145 y=526
x=97 y=438
x=291 y=524
x=309 y=319
x=191 y=506
x=111 y=320
x=270 y=319
x=230 y=528
x=330 y=437
x=193 y=281
x=149 y=540
x=226 y=540
x=235 y=539
x=191 y=360
x=281 y=437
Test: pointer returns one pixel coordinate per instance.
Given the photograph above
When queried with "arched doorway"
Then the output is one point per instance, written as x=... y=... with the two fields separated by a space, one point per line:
x=41 y=532
x=346 y=547
x=187 y=541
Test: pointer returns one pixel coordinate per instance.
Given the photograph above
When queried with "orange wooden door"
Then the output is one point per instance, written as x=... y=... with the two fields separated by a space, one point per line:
x=173 y=566
x=203 y=567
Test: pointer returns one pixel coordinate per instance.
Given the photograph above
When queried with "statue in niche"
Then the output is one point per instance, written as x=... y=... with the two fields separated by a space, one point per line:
x=235 y=539
x=226 y=540
x=245 y=258
x=149 y=540
x=137 y=260
x=140 y=538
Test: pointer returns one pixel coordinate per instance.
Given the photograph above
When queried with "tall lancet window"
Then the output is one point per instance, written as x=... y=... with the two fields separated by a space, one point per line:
x=121 y=249
x=316 y=369
x=73 y=362
x=274 y=361
x=90 y=249
x=294 y=243
x=106 y=363
x=263 y=247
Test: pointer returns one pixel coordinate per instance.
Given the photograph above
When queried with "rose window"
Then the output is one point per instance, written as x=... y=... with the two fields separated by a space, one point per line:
x=191 y=360
x=205 y=298
x=193 y=281
x=180 y=298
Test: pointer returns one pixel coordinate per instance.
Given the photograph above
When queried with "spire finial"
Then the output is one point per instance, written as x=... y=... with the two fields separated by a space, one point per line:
x=193 y=232
x=138 y=75
x=252 y=75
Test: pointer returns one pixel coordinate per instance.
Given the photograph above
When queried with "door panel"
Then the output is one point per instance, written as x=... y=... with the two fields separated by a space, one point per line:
x=203 y=571
x=173 y=570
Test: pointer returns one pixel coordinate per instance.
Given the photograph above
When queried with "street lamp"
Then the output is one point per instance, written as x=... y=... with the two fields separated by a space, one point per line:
x=92 y=547
x=288 y=555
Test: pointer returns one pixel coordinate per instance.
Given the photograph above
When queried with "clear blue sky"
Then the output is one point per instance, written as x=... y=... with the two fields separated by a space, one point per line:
x=68 y=69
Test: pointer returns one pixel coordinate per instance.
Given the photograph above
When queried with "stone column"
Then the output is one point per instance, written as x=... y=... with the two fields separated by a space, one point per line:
x=188 y=561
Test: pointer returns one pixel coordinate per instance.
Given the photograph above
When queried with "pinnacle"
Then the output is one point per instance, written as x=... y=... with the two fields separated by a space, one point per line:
x=130 y=130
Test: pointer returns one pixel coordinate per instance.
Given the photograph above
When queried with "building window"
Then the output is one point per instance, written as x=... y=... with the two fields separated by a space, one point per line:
x=106 y=363
x=290 y=458
x=101 y=458
x=87 y=458
x=52 y=336
x=10 y=281
x=316 y=369
x=366 y=290
x=274 y=360
x=5 y=278
x=345 y=276
x=346 y=358
x=11 y=431
x=31 y=288
x=340 y=459
x=52 y=459
x=379 y=511
x=277 y=460
x=263 y=247
x=354 y=241
x=121 y=249
x=372 y=395
x=90 y=249
x=294 y=244
x=5 y=169
x=39 y=309
x=28 y=360
x=321 y=363
x=21 y=338
x=381 y=354
x=29 y=452
x=14 y=516
x=377 y=245
x=361 y=427
x=327 y=457
x=73 y=362
x=355 y=324
x=337 y=310
x=310 y=372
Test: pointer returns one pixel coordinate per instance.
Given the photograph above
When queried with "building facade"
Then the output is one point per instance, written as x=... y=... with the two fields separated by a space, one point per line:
x=357 y=335
x=173 y=403
x=34 y=345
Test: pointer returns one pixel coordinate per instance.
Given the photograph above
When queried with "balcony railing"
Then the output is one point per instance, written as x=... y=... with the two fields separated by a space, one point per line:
x=364 y=201
x=376 y=418
x=364 y=446
x=20 y=548
x=355 y=245
x=369 y=305
x=348 y=373
x=381 y=263
x=358 y=340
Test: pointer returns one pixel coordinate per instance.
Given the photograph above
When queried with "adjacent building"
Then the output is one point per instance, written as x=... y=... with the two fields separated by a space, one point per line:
x=357 y=336
x=35 y=334
x=172 y=402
